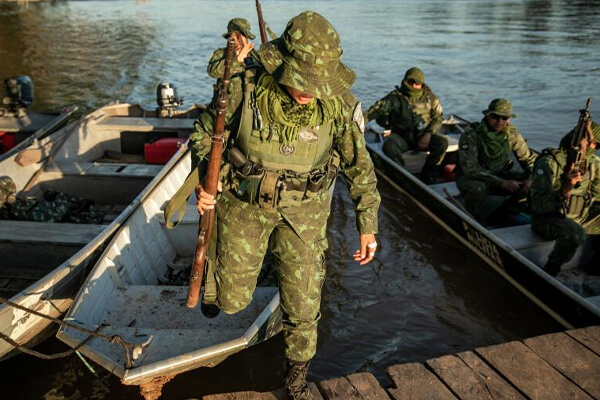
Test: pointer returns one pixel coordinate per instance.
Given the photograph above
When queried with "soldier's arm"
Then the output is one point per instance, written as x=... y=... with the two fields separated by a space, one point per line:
x=544 y=193
x=357 y=167
x=216 y=65
x=523 y=153
x=437 y=116
x=381 y=108
x=469 y=162
x=595 y=187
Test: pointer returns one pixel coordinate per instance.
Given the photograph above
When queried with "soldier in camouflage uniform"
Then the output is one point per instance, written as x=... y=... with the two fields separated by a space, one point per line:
x=56 y=207
x=298 y=125
x=484 y=165
x=414 y=115
x=239 y=29
x=566 y=208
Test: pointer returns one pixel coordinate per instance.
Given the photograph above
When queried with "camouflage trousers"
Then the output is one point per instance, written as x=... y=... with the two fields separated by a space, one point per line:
x=568 y=234
x=476 y=190
x=395 y=145
x=297 y=239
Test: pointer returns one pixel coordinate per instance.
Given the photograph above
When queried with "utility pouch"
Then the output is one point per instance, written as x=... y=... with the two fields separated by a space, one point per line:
x=269 y=190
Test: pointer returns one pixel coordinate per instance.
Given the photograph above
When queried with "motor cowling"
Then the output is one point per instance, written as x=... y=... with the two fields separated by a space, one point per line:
x=166 y=97
x=18 y=94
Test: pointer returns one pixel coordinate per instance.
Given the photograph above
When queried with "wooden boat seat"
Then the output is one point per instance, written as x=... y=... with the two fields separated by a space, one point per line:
x=48 y=232
x=138 y=124
x=124 y=170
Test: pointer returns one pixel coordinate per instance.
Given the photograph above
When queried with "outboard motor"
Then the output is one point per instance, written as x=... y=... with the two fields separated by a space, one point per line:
x=166 y=97
x=18 y=95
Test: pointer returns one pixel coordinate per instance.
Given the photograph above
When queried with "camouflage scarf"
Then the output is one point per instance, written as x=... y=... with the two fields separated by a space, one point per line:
x=410 y=92
x=278 y=107
x=494 y=146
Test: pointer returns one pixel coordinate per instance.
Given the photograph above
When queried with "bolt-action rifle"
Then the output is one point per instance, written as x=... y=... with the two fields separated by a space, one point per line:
x=261 y=24
x=574 y=155
x=211 y=180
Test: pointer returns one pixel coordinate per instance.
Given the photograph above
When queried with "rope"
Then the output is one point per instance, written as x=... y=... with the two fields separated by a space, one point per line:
x=111 y=339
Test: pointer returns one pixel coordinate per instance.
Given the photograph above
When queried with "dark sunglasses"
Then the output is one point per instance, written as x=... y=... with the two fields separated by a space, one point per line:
x=499 y=117
x=412 y=82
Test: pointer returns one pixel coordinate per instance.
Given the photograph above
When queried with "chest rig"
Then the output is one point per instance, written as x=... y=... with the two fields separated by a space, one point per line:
x=267 y=172
x=412 y=117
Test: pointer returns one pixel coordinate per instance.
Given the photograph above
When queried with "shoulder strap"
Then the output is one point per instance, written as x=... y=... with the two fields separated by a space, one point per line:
x=179 y=199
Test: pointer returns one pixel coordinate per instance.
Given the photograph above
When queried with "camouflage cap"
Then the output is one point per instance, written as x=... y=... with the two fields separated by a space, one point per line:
x=307 y=57
x=501 y=107
x=415 y=74
x=239 y=25
x=7 y=191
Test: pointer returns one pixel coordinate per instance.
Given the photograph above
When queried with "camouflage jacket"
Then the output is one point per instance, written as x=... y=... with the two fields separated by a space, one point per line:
x=474 y=164
x=411 y=119
x=544 y=194
x=348 y=142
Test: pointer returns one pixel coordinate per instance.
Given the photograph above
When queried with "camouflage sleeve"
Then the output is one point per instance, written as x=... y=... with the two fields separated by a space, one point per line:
x=200 y=139
x=437 y=116
x=469 y=162
x=595 y=187
x=519 y=146
x=381 y=108
x=357 y=166
x=216 y=65
x=544 y=193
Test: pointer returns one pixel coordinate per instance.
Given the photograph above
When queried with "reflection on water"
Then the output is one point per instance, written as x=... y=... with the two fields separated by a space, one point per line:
x=425 y=295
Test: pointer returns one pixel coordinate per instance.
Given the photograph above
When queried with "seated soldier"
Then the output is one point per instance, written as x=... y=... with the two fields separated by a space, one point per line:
x=567 y=206
x=414 y=115
x=484 y=165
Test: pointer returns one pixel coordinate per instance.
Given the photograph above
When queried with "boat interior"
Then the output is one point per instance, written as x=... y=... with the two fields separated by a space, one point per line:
x=138 y=290
x=99 y=158
x=518 y=236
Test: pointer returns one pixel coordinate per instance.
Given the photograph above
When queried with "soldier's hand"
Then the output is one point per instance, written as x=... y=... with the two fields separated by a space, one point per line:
x=525 y=185
x=424 y=141
x=571 y=180
x=368 y=246
x=205 y=200
x=243 y=53
x=511 y=186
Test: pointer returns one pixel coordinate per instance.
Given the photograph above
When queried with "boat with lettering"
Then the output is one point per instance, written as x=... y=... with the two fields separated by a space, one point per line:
x=515 y=252
x=20 y=126
x=100 y=160
x=137 y=293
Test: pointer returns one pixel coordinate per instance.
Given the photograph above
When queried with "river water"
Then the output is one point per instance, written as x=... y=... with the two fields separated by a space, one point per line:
x=425 y=295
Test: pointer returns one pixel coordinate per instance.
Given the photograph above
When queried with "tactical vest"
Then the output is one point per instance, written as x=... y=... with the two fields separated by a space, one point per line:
x=420 y=116
x=580 y=202
x=281 y=175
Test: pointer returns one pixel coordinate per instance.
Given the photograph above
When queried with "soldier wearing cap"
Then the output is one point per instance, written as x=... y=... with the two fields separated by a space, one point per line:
x=297 y=125
x=484 y=164
x=567 y=208
x=414 y=115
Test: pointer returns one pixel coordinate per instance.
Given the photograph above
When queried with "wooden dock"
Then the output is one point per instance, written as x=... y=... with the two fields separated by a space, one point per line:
x=557 y=366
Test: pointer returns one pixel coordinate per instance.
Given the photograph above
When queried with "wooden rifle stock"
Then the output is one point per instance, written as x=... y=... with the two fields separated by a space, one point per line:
x=211 y=181
x=574 y=155
x=261 y=24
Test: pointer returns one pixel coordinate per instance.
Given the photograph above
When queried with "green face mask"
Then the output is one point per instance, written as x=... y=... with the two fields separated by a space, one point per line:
x=411 y=92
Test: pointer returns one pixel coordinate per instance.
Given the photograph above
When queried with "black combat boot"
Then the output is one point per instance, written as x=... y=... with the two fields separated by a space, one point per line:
x=552 y=268
x=296 y=386
x=209 y=310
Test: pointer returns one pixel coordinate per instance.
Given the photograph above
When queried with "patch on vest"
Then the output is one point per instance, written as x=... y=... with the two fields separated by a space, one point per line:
x=357 y=116
x=540 y=171
x=287 y=149
x=308 y=135
x=464 y=146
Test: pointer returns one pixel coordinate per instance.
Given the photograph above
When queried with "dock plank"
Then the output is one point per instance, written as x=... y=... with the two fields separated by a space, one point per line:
x=570 y=357
x=589 y=337
x=530 y=373
x=338 y=389
x=414 y=382
x=472 y=379
x=368 y=386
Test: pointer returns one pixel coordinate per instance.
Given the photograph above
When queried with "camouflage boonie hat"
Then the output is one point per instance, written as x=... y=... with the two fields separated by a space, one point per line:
x=415 y=74
x=7 y=191
x=596 y=131
x=239 y=25
x=501 y=107
x=307 y=57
